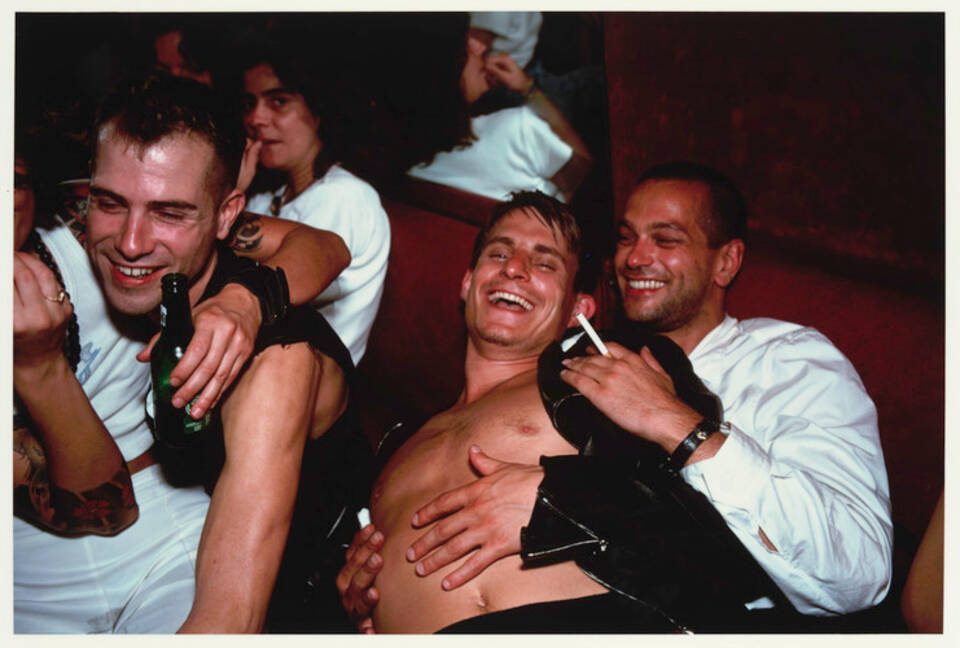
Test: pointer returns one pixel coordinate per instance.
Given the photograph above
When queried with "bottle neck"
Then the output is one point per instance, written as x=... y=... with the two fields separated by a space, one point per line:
x=175 y=318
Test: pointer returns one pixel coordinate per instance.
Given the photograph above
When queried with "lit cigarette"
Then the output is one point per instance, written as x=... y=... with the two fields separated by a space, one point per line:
x=597 y=342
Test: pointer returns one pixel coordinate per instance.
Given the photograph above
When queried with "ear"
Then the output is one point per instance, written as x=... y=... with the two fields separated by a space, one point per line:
x=583 y=303
x=727 y=263
x=465 y=284
x=230 y=208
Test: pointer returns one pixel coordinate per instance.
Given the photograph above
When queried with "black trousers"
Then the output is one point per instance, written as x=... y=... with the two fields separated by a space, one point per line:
x=600 y=614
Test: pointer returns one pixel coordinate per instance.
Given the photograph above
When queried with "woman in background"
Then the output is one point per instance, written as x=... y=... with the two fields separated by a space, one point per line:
x=286 y=114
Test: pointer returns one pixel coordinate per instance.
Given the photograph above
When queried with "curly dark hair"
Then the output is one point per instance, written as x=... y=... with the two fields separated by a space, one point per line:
x=300 y=73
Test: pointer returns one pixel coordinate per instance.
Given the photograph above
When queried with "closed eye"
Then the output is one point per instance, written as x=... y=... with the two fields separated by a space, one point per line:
x=170 y=216
x=667 y=241
x=624 y=236
x=105 y=204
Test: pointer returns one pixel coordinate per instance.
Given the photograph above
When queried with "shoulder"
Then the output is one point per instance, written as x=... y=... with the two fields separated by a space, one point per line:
x=344 y=184
x=304 y=324
x=762 y=332
x=260 y=203
x=500 y=122
x=340 y=199
x=770 y=349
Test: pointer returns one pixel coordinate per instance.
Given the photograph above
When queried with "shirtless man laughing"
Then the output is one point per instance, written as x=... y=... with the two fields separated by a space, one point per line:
x=519 y=297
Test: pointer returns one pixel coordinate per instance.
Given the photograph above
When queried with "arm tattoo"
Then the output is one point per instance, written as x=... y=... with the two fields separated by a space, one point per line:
x=106 y=509
x=246 y=233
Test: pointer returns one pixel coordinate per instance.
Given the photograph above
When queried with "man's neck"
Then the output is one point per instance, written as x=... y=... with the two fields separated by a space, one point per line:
x=688 y=336
x=483 y=373
x=203 y=279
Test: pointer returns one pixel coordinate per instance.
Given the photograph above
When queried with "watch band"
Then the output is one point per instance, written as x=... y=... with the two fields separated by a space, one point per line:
x=700 y=433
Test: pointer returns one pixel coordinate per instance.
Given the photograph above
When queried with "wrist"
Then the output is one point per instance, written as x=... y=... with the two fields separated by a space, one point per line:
x=700 y=433
x=671 y=426
x=269 y=286
x=241 y=298
x=529 y=88
x=36 y=372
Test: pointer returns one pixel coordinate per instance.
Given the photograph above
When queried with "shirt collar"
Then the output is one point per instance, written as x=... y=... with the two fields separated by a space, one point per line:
x=717 y=337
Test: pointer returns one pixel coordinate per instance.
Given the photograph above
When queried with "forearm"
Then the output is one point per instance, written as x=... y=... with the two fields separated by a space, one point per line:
x=240 y=551
x=540 y=103
x=72 y=477
x=311 y=258
x=571 y=174
x=265 y=422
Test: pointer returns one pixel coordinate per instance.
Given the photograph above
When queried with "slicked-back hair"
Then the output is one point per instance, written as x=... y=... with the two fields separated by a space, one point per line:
x=727 y=219
x=549 y=211
x=156 y=106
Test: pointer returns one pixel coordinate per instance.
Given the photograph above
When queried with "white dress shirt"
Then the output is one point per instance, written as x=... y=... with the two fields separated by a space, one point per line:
x=802 y=461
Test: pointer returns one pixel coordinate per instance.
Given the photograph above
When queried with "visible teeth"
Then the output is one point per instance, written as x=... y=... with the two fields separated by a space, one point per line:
x=646 y=284
x=510 y=297
x=134 y=272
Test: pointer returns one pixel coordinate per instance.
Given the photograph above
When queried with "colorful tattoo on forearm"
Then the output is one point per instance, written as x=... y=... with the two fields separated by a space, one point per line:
x=103 y=510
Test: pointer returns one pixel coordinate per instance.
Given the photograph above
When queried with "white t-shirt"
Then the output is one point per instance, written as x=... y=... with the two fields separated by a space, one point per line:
x=802 y=461
x=344 y=204
x=515 y=150
x=142 y=579
x=113 y=379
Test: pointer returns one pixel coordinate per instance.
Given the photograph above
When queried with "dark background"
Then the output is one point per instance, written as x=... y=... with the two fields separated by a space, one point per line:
x=833 y=125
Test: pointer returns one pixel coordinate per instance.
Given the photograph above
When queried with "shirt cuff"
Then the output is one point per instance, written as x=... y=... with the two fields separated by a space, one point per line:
x=735 y=476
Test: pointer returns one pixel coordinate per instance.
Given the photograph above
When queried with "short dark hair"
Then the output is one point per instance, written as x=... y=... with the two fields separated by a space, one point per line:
x=727 y=219
x=148 y=109
x=549 y=211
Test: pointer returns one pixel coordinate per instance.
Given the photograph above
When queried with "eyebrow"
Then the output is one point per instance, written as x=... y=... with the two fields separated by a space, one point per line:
x=280 y=90
x=669 y=225
x=153 y=204
x=539 y=248
x=658 y=225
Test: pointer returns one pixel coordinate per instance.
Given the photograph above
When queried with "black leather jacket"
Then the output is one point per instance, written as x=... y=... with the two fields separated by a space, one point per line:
x=633 y=525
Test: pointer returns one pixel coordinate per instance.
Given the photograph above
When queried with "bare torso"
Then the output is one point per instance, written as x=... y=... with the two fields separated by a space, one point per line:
x=509 y=424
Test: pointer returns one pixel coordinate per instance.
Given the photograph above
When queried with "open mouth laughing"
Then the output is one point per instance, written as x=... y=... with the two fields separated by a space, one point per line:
x=509 y=300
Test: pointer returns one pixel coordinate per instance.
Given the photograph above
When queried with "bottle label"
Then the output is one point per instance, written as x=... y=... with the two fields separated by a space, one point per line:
x=195 y=425
x=163 y=315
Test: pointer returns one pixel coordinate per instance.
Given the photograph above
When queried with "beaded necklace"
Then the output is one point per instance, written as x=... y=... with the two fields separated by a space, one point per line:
x=71 y=344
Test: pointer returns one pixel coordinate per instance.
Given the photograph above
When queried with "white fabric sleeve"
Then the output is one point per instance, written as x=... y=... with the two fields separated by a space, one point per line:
x=543 y=149
x=803 y=463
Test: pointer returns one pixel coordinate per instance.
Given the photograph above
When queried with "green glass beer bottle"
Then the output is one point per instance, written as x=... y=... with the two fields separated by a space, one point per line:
x=173 y=426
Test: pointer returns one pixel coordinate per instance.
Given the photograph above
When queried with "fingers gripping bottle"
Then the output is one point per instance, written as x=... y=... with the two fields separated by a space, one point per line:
x=173 y=426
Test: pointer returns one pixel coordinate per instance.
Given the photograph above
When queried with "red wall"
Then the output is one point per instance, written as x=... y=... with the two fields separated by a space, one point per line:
x=833 y=124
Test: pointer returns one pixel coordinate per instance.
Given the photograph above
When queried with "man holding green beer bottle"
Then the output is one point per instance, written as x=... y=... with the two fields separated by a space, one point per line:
x=163 y=198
